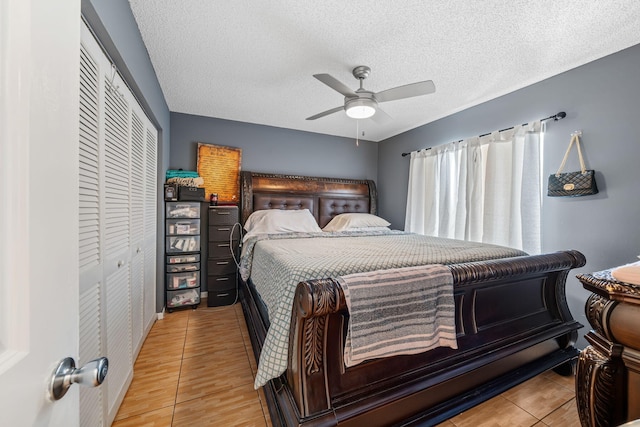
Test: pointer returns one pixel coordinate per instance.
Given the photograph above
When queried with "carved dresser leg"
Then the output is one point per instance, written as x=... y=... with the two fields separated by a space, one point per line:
x=598 y=386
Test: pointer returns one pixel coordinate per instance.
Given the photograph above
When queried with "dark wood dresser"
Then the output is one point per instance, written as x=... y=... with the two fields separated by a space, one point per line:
x=608 y=373
x=222 y=272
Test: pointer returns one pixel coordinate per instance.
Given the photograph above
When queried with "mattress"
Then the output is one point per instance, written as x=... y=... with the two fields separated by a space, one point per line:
x=277 y=263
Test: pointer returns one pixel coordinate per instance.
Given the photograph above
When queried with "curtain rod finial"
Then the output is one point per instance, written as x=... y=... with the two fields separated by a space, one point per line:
x=560 y=115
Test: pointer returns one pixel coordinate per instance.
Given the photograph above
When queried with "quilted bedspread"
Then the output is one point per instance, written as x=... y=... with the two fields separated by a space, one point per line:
x=277 y=263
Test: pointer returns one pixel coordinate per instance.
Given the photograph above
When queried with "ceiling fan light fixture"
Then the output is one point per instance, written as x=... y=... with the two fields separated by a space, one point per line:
x=360 y=108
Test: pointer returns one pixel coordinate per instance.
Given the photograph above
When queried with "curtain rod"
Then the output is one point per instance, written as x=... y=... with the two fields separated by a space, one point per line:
x=559 y=116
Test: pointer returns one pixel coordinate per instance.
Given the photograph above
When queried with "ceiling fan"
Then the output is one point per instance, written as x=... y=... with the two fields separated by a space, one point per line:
x=362 y=103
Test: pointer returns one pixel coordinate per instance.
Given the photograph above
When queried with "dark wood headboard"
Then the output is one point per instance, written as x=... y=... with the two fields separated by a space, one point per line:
x=324 y=197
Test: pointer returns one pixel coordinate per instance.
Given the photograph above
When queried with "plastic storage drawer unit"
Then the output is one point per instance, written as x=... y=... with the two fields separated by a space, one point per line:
x=182 y=250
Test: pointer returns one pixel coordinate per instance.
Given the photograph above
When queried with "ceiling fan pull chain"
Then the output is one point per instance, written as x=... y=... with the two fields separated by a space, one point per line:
x=357 y=133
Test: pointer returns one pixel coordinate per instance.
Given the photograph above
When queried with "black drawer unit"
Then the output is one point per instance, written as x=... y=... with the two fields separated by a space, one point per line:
x=223 y=240
x=182 y=254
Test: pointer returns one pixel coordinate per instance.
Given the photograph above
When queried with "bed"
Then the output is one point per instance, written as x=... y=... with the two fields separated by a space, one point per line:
x=510 y=313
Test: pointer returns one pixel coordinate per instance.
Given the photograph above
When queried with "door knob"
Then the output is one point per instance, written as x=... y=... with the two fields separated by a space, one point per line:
x=92 y=374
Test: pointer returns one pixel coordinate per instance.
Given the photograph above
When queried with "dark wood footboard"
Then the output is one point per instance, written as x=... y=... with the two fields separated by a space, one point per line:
x=513 y=323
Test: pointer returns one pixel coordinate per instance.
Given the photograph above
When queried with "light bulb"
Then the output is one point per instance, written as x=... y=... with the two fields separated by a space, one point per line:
x=361 y=108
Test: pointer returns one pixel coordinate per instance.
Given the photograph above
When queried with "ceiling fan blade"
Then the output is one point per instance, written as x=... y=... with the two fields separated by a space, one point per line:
x=381 y=117
x=407 y=91
x=326 y=113
x=335 y=84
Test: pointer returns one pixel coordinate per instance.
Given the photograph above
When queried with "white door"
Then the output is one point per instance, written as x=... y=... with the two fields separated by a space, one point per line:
x=39 y=41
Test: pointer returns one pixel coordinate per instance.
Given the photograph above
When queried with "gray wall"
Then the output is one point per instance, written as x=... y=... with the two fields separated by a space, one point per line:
x=272 y=149
x=602 y=99
x=115 y=26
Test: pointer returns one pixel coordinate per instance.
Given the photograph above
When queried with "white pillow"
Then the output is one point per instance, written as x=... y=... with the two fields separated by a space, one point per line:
x=349 y=221
x=365 y=229
x=272 y=221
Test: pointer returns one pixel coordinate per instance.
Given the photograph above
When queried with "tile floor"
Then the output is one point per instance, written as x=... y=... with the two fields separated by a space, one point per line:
x=196 y=368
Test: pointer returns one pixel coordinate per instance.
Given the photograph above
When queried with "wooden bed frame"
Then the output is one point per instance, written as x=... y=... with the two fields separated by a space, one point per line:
x=512 y=323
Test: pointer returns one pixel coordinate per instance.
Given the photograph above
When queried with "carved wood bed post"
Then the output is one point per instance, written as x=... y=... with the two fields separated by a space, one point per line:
x=315 y=300
x=246 y=196
x=608 y=373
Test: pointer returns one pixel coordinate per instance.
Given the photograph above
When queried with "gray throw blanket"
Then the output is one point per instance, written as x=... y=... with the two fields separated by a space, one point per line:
x=405 y=310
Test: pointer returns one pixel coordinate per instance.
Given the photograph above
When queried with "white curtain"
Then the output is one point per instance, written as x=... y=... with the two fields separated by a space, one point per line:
x=483 y=189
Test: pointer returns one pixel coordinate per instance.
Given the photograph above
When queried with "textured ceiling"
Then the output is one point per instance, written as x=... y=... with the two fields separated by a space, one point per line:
x=253 y=61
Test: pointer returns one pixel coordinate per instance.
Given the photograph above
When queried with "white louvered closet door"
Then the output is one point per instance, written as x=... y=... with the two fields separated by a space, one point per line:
x=137 y=229
x=91 y=345
x=150 y=231
x=117 y=216
x=117 y=234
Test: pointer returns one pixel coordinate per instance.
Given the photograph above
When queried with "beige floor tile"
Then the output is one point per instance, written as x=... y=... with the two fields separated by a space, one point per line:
x=238 y=308
x=158 y=418
x=213 y=373
x=566 y=381
x=171 y=321
x=248 y=347
x=539 y=396
x=176 y=315
x=243 y=326
x=265 y=406
x=216 y=327
x=224 y=314
x=565 y=416
x=239 y=313
x=221 y=317
x=153 y=387
x=201 y=342
x=237 y=406
x=252 y=360
x=247 y=341
x=225 y=310
x=162 y=347
x=170 y=326
x=497 y=412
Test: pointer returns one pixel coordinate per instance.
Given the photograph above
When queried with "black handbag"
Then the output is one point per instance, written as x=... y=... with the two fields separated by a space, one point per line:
x=572 y=184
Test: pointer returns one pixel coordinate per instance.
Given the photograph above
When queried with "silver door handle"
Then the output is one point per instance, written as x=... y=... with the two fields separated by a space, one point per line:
x=92 y=374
